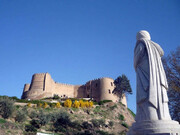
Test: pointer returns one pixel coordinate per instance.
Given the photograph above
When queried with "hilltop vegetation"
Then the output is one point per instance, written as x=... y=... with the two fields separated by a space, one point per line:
x=69 y=117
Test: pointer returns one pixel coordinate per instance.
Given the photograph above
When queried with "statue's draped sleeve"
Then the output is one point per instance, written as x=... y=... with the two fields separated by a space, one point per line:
x=142 y=72
x=138 y=53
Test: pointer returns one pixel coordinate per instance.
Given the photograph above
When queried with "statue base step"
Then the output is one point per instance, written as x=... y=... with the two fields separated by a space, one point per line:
x=156 y=127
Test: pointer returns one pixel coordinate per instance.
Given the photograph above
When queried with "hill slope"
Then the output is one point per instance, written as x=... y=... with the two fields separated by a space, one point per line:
x=108 y=118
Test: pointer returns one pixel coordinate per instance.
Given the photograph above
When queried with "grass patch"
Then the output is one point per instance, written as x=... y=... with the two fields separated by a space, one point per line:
x=122 y=133
x=125 y=124
x=121 y=117
x=104 y=101
x=100 y=132
x=2 y=121
x=113 y=107
x=122 y=104
x=75 y=109
x=97 y=109
x=132 y=113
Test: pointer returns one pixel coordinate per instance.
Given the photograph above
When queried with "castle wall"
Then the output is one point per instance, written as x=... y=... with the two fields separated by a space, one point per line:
x=64 y=90
x=49 y=83
x=80 y=91
x=92 y=89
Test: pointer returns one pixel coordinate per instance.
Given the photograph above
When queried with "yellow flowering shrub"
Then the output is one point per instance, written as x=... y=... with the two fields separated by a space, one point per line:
x=76 y=104
x=82 y=105
x=58 y=105
x=86 y=104
x=29 y=105
x=45 y=105
x=91 y=103
x=68 y=103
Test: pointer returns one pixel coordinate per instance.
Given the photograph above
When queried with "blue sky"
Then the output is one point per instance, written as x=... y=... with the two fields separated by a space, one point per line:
x=79 y=40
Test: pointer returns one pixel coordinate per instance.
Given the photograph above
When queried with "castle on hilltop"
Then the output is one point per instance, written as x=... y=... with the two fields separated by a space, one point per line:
x=42 y=86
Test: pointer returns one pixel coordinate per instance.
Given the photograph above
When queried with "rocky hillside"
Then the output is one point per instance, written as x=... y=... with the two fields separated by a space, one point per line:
x=105 y=119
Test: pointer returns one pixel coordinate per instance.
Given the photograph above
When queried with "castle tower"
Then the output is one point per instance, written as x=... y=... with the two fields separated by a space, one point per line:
x=26 y=87
x=101 y=89
x=106 y=90
x=40 y=87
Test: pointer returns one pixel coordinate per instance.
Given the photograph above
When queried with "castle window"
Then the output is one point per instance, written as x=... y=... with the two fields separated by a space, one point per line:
x=96 y=84
x=109 y=91
x=111 y=83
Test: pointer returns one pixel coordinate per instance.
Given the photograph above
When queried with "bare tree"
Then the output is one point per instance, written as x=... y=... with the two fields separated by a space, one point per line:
x=172 y=68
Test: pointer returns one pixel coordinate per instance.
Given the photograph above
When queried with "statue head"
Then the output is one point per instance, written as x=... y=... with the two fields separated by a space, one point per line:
x=143 y=35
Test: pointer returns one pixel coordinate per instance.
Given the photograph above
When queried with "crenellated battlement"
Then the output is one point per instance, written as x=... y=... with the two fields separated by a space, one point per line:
x=39 y=74
x=64 y=84
x=97 y=79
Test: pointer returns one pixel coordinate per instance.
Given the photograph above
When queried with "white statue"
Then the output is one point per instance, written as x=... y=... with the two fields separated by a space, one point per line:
x=152 y=116
x=152 y=100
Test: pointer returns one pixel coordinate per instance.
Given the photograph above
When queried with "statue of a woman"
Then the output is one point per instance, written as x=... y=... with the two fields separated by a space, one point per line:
x=152 y=100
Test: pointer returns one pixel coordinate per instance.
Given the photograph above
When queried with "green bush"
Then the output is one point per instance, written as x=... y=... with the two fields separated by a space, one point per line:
x=111 y=123
x=76 y=125
x=35 y=123
x=20 y=116
x=53 y=117
x=102 y=122
x=98 y=122
x=113 y=107
x=2 y=121
x=86 y=125
x=30 y=128
x=6 y=107
x=104 y=101
x=17 y=106
x=39 y=119
x=31 y=101
x=121 y=117
x=33 y=114
x=97 y=109
x=86 y=132
x=56 y=96
x=62 y=122
x=95 y=103
x=125 y=124
x=14 y=98
x=122 y=133
x=43 y=118
x=24 y=109
x=95 y=123
x=100 y=132
x=52 y=105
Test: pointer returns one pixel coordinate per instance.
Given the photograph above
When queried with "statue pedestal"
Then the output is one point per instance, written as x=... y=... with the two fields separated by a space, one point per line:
x=156 y=127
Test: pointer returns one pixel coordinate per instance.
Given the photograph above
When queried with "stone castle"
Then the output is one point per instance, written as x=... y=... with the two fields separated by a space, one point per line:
x=42 y=86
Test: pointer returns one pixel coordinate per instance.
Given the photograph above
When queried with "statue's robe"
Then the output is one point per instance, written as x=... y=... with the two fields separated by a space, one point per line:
x=152 y=100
